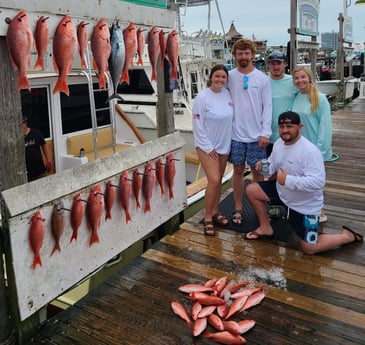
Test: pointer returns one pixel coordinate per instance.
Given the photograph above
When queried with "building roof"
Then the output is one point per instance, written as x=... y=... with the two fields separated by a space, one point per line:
x=233 y=33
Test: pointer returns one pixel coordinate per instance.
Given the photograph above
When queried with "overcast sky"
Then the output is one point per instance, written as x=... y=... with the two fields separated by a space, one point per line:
x=270 y=19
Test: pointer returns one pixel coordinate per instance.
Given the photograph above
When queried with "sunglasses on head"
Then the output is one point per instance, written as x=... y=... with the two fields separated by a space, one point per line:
x=245 y=82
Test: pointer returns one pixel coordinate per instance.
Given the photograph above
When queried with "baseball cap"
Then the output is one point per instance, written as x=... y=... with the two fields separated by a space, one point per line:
x=277 y=56
x=289 y=117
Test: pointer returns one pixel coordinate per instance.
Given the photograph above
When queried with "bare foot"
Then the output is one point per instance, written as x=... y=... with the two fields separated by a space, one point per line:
x=351 y=235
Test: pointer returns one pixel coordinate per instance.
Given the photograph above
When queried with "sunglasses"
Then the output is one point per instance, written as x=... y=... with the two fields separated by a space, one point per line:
x=245 y=82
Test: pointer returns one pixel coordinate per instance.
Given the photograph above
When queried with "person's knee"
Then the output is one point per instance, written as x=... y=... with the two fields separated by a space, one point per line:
x=308 y=248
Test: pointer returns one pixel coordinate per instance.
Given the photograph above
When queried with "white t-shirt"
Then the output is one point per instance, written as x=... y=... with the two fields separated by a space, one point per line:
x=212 y=121
x=252 y=106
x=304 y=184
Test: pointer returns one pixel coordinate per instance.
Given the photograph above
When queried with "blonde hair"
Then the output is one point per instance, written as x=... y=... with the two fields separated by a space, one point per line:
x=313 y=94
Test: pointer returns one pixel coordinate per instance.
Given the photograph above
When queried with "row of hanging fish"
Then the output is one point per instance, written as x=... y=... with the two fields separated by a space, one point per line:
x=140 y=183
x=113 y=49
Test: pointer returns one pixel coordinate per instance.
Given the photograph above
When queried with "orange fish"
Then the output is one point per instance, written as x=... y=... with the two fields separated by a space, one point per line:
x=216 y=322
x=226 y=337
x=195 y=309
x=199 y=326
x=232 y=326
x=188 y=288
x=170 y=172
x=148 y=182
x=205 y=299
x=232 y=288
x=136 y=185
x=82 y=39
x=162 y=40
x=131 y=46
x=246 y=325
x=153 y=47
x=245 y=292
x=220 y=284
x=94 y=210
x=101 y=49
x=109 y=198
x=41 y=40
x=209 y=309
x=64 y=51
x=36 y=235
x=172 y=50
x=211 y=282
x=160 y=174
x=58 y=224
x=19 y=39
x=236 y=306
x=77 y=213
x=125 y=189
x=222 y=310
x=180 y=311
x=253 y=300
x=140 y=45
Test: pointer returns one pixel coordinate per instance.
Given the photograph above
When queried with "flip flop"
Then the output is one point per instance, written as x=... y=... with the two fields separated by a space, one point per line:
x=357 y=237
x=258 y=236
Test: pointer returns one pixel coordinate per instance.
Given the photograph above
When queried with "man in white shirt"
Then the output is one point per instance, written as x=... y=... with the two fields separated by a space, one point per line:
x=297 y=183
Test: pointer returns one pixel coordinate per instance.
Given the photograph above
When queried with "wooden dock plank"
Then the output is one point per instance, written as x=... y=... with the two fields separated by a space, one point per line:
x=318 y=299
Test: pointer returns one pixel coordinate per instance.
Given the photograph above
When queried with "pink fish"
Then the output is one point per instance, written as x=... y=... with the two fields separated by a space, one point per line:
x=222 y=310
x=160 y=174
x=226 y=337
x=162 y=40
x=101 y=49
x=195 y=309
x=64 y=51
x=82 y=39
x=140 y=46
x=170 y=172
x=232 y=288
x=131 y=46
x=206 y=299
x=232 y=326
x=253 y=300
x=188 y=288
x=246 y=325
x=148 y=182
x=245 y=292
x=109 y=198
x=94 y=210
x=137 y=185
x=199 y=326
x=153 y=50
x=220 y=284
x=172 y=50
x=36 y=235
x=58 y=224
x=77 y=213
x=19 y=39
x=206 y=311
x=41 y=40
x=180 y=311
x=236 y=306
x=211 y=282
x=125 y=189
x=216 y=322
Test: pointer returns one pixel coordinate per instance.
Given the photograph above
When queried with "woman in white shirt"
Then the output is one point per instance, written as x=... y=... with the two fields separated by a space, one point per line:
x=212 y=129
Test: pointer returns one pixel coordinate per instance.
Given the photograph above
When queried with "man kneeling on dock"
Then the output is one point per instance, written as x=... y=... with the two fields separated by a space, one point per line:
x=297 y=182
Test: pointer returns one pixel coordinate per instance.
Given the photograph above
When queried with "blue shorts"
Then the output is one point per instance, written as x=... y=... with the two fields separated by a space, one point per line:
x=240 y=152
x=305 y=226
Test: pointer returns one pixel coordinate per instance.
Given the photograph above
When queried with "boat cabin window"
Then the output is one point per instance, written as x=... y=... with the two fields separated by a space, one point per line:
x=194 y=83
x=76 y=111
x=35 y=107
x=139 y=83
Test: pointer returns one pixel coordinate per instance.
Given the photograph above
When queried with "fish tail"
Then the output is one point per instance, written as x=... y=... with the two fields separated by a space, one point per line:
x=37 y=260
x=39 y=63
x=147 y=207
x=140 y=62
x=23 y=82
x=61 y=86
x=162 y=190
x=114 y=96
x=153 y=76
x=74 y=236
x=94 y=238
x=171 y=193
x=124 y=77
x=128 y=217
x=108 y=215
x=83 y=62
x=102 y=83
x=173 y=74
x=138 y=204
x=56 y=247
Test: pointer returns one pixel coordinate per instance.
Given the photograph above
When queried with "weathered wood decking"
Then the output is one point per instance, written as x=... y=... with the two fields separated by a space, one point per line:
x=316 y=299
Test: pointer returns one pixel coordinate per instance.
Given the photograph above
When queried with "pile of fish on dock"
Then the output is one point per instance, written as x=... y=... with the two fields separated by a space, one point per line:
x=161 y=172
x=214 y=303
x=113 y=49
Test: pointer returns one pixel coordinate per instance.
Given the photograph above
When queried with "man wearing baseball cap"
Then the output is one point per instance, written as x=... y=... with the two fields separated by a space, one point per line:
x=297 y=182
x=283 y=92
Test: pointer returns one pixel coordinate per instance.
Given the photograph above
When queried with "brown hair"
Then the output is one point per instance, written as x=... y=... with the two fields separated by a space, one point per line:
x=313 y=94
x=243 y=44
x=215 y=68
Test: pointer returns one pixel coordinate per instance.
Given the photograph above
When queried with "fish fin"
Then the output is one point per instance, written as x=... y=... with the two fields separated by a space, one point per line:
x=140 y=62
x=128 y=217
x=23 y=82
x=138 y=204
x=173 y=74
x=94 y=238
x=108 y=215
x=83 y=62
x=61 y=86
x=39 y=63
x=171 y=193
x=102 y=83
x=153 y=76
x=74 y=236
x=147 y=207
x=56 y=247
x=37 y=260
x=124 y=77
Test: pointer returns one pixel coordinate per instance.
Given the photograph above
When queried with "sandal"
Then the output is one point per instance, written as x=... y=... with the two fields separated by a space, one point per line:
x=357 y=237
x=237 y=217
x=220 y=219
x=209 y=228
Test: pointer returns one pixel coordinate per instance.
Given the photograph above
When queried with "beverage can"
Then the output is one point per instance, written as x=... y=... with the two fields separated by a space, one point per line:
x=265 y=167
